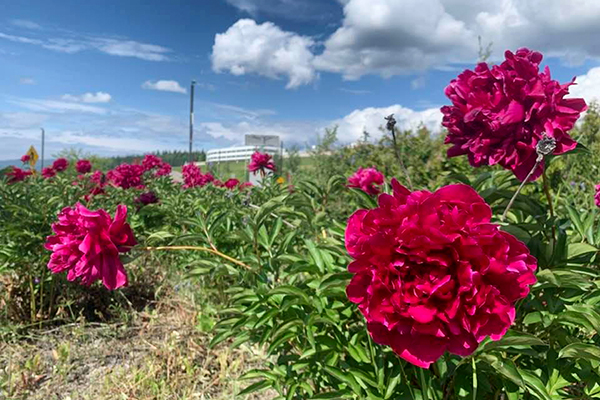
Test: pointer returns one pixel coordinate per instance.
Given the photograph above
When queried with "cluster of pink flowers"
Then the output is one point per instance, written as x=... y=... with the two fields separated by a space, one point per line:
x=151 y=162
x=261 y=162
x=193 y=176
x=366 y=179
x=25 y=158
x=83 y=166
x=433 y=274
x=17 y=175
x=164 y=169
x=499 y=114
x=86 y=244
x=597 y=196
x=127 y=176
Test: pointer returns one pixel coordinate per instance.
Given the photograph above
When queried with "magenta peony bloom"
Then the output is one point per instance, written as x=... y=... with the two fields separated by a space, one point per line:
x=48 y=172
x=245 y=185
x=98 y=177
x=597 y=196
x=17 y=175
x=83 y=166
x=87 y=244
x=193 y=176
x=433 y=274
x=164 y=169
x=499 y=114
x=261 y=162
x=127 y=176
x=231 y=183
x=147 y=198
x=60 y=164
x=151 y=161
x=25 y=158
x=366 y=179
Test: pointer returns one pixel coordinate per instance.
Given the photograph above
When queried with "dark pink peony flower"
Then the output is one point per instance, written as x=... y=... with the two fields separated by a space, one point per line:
x=98 y=177
x=87 y=244
x=147 y=198
x=597 y=196
x=127 y=176
x=232 y=183
x=366 y=179
x=433 y=274
x=151 y=161
x=245 y=185
x=499 y=114
x=261 y=162
x=193 y=176
x=17 y=175
x=83 y=166
x=60 y=164
x=25 y=158
x=164 y=169
x=48 y=172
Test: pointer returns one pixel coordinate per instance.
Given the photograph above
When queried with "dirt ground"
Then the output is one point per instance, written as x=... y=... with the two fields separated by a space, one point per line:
x=160 y=354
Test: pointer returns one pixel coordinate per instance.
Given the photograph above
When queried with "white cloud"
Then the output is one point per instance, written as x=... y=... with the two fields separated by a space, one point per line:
x=264 y=49
x=588 y=86
x=352 y=126
x=56 y=106
x=24 y=23
x=130 y=48
x=74 y=43
x=418 y=83
x=98 y=97
x=21 y=120
x=355 y=91
x=164 y=86
x=27 y=81
x=391 y=37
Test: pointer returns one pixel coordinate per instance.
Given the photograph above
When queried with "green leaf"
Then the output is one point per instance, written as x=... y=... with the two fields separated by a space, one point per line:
x=580 y=350
x=514 y=338
x=535 y=385
x=578 y=249
x=256 y=387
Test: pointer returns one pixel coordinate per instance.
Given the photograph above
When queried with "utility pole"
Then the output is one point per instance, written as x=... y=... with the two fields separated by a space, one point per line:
x=43 y=141
x=191 y=119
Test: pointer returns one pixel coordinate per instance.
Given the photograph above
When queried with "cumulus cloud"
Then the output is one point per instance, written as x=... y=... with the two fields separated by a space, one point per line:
x=391 y=37
x=371 y=119
x=588 y=86
x=164 y=86
x=264 y=49
x=98 y=97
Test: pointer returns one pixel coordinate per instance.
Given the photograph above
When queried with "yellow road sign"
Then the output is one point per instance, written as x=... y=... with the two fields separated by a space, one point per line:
x=33 y=156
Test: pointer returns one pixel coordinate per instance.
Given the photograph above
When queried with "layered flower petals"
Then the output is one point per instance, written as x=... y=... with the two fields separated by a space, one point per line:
x=499 y=114
x=365 y=179
x=87 y=244
x=432 y=274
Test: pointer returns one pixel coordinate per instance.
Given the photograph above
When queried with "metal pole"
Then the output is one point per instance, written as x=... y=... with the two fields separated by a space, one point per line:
x=191 y=119
x=43 y=141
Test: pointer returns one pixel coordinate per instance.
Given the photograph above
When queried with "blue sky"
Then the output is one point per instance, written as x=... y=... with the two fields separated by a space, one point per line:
x=112 y=77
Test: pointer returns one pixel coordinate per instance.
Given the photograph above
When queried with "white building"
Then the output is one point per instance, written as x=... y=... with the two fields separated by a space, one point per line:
x=237 y=153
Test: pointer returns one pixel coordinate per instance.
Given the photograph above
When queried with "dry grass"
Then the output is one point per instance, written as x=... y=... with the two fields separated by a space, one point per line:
x=160 y=355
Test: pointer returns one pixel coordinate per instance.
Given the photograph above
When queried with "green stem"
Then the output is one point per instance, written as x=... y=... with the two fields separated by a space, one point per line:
x=405 y=377
x=424 y=385
x=198 y=248
x=550 y=205
x=31 y=299
x=474 y=378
